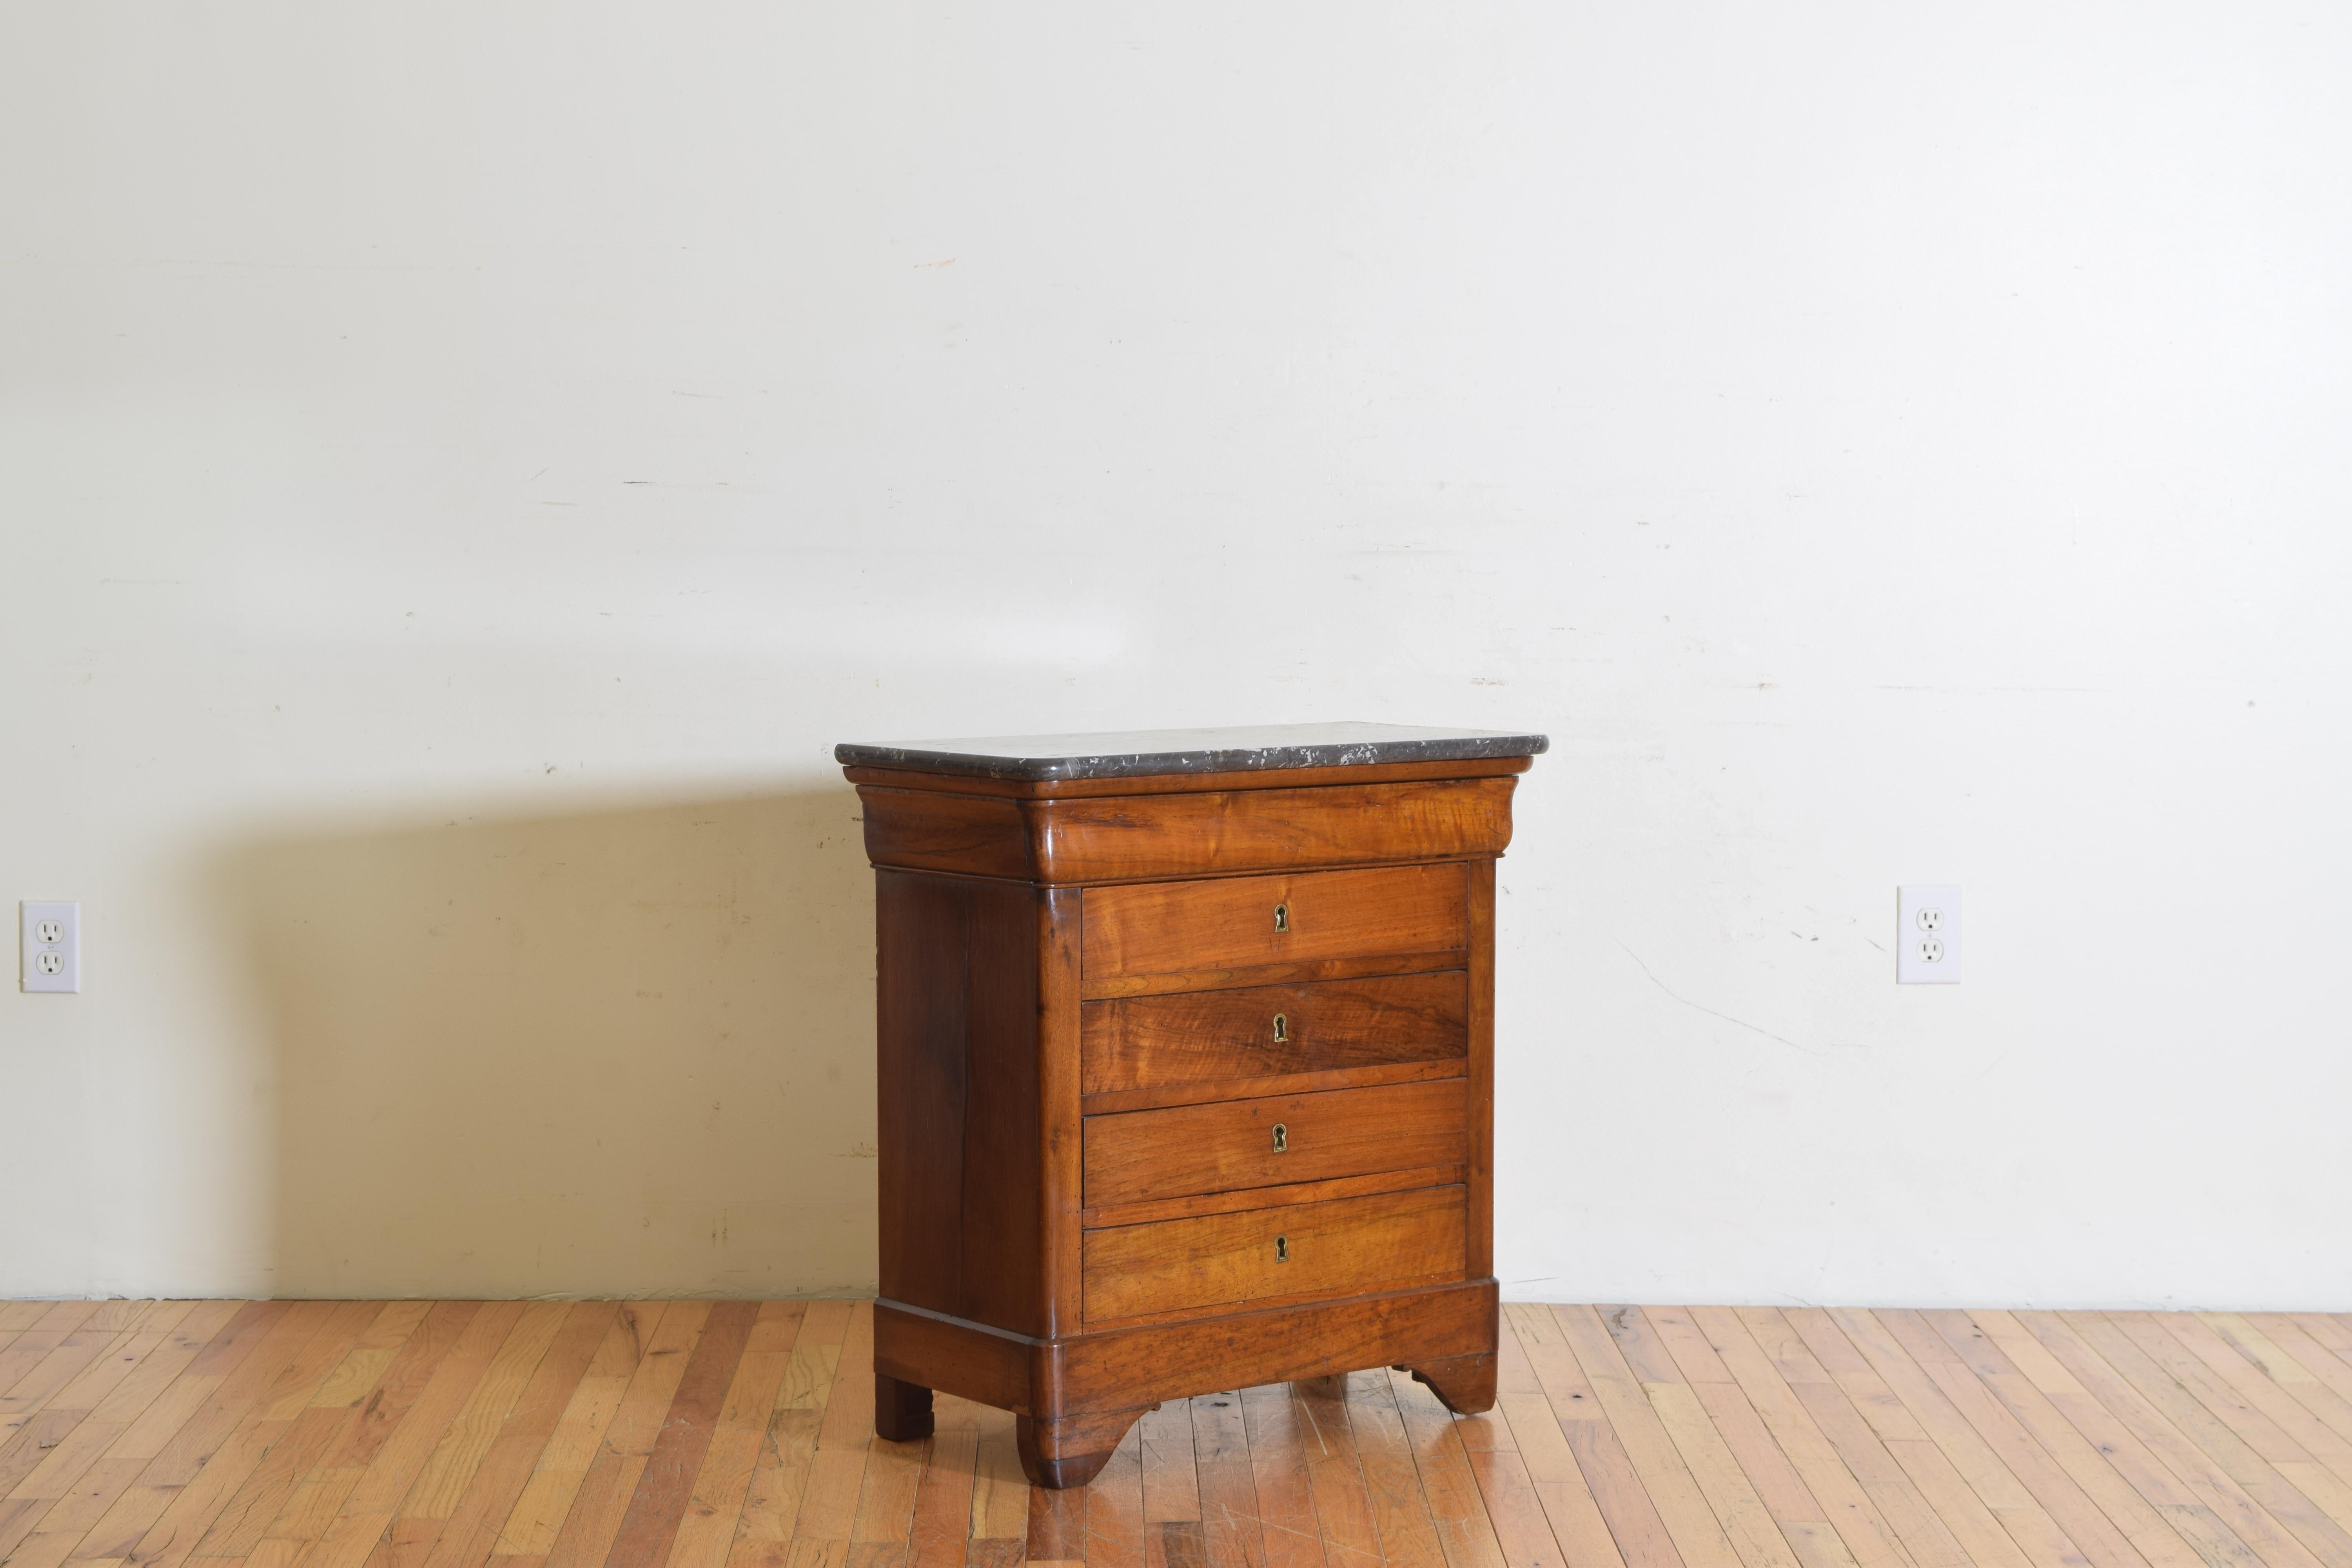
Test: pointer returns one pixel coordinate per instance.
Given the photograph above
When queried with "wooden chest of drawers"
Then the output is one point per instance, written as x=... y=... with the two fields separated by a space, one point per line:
x=1185 y=1054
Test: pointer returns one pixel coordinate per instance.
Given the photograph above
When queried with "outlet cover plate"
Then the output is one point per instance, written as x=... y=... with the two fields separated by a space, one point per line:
x=50 y=935
x=1926 y=936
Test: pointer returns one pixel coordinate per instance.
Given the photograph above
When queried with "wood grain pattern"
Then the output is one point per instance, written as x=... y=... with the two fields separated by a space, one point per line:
x=1623 y=1438
x=1141 y=1363
x=1056 y=1177
x=960 y=1098
x=1072 y=841
x=1198 y=1203
x=922 y=830
x=1295 y=971
x=1224 y=1037
x=1150 y=836
x=1479 y=880
x=1230 y=1145
x=667 y=1482
x=1061 y=1143
x=1351 y=1245
x=1115 y=1100
x=1168 y=927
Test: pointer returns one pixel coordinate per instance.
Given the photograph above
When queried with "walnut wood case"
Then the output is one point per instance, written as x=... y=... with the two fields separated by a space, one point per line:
x=1186 y=1084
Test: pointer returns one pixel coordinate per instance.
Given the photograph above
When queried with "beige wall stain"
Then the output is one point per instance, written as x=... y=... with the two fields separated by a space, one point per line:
x=619 y=1051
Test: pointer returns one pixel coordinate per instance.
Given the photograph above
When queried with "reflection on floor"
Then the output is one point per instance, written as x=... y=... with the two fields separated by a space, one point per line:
x=659 y=1435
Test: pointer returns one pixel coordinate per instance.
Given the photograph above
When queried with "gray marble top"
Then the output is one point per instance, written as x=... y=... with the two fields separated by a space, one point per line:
x=1126 y=754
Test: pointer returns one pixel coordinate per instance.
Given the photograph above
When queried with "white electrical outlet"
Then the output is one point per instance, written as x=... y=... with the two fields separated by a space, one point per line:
x=52 y=944
x=1926 y=936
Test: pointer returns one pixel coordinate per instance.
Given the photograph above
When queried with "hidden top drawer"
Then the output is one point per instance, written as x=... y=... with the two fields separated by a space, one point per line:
x=1272 y=1031
x=1230 y=1144
x=1183 y=936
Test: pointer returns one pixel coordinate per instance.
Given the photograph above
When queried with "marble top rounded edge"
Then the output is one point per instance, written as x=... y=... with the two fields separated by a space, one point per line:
x=1238 y=750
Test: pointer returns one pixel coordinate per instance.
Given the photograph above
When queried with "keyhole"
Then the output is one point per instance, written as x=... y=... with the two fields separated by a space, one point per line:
x=1282 y=1028
x=1281 y=1139
x=1282 y=1249
x=1282 y=917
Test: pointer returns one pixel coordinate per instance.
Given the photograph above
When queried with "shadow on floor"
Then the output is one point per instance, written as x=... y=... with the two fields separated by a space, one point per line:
x=623 y=1052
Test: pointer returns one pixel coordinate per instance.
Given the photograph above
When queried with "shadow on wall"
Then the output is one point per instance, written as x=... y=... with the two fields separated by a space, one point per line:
x=621 y=1053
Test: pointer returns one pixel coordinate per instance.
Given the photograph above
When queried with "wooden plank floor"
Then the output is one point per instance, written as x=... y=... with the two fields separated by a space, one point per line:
x=663 y=1435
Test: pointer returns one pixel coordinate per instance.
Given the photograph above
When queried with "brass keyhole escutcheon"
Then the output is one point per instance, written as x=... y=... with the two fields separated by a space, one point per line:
x=1282 y=1249
x=1282 y=917
x=1281 y=1139
x=1282 y=1028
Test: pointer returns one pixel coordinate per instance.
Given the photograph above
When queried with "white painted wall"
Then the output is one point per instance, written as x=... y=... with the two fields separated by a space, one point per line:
x=465 y=465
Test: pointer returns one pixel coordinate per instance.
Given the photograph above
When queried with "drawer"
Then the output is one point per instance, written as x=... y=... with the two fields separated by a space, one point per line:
x=1116 y=838
x=1344 y=1248
x=1231 y=1144
x=1160 y=928
x=1264 y=1031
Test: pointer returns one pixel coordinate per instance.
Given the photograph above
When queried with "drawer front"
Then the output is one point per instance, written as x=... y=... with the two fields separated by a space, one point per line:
x=1113 y=837
x=1344 y=1248
x=1264 y=1031
x=1158 y=928
x=1231 y=1144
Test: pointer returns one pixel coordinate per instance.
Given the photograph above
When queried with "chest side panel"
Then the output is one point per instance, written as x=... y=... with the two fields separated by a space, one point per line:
x=958 y=1113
